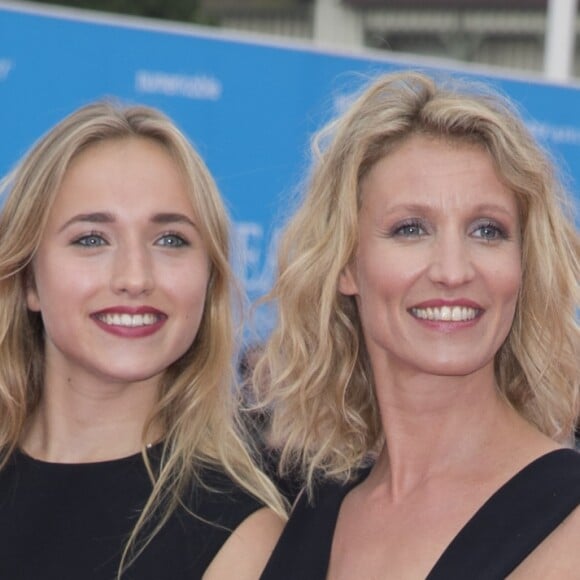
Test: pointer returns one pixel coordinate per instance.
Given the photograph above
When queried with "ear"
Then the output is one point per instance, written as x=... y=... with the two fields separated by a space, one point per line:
x=347 y=284
x=32 y=299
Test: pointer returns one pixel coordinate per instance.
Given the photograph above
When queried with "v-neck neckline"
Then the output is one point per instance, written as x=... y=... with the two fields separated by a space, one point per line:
x=513 y=481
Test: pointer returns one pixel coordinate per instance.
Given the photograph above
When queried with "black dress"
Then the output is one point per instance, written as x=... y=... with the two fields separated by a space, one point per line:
x=499 y=536
x=71 y=521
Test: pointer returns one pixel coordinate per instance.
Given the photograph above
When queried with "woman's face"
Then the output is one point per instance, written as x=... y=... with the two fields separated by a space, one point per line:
x=438 y=268
x=121 y=273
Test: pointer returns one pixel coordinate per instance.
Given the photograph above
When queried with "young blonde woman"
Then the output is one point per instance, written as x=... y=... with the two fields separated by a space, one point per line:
x=424 y=371
x=121 y=452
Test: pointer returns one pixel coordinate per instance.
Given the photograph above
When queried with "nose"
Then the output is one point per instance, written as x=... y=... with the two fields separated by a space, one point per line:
x=451 y=260
x=132 y=271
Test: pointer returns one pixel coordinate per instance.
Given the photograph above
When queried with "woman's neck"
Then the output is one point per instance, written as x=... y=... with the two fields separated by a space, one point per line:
x=76 y=423
x=438 y=426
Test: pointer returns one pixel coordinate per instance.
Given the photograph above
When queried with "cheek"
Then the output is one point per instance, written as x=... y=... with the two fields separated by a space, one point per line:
x=511 y=297
x=507 y=280
x=31 y=285
x=388 y=277
x=189 y=289
x=60 y=286
x=505 y=284
x=32 y=299
x=35 y=283
x=513 y=289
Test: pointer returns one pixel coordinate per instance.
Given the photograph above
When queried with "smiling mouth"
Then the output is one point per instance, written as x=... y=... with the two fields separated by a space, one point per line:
x=446 y=313
x=129 y=320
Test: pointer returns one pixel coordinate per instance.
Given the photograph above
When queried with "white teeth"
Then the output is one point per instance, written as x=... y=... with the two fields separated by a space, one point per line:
x=445 y=313
x=130 y=320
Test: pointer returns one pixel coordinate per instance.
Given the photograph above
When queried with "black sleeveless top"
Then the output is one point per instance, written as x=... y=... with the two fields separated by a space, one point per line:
x=71 y=521
x=498 y=537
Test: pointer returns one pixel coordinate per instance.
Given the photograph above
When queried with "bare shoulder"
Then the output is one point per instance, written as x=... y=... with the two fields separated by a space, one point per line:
x=246 y=551
x=557 y=557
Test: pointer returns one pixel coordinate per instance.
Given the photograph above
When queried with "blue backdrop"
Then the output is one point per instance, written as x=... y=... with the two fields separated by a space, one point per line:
x=250 y=107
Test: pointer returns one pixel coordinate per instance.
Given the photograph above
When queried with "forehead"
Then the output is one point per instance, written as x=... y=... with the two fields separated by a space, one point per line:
x=434 y=171
x=113 y=153
x=128 y=172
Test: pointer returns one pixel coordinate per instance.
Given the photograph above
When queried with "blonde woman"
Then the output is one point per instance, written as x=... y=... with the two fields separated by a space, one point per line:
x=424 y=371
x=121 y=452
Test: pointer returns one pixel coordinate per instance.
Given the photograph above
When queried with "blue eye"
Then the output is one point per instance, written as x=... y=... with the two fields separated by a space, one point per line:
x=409 y=230
x=489 y=232
x=172 y=241
x=90 y=241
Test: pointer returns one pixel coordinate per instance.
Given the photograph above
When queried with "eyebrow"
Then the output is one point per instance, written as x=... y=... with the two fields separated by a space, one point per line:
x=419 y=208
x=494 y=207
x=95 y=218
x=107 y=218
x=172 y=218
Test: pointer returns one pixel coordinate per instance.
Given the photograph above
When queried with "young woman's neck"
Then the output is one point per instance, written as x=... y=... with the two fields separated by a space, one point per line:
x=76 y=423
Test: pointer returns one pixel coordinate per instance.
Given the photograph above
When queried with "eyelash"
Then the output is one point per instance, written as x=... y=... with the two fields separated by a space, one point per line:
x=181 y=241
x=499 y=232
x=178 y=241
x=398 y=230
x=419 y=229
x=82 y=240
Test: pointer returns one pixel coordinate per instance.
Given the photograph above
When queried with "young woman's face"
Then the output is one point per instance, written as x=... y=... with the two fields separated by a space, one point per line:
x=438 y=268
x=121 y=273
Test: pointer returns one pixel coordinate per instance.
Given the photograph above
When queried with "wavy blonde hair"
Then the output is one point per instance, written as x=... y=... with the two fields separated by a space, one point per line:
x=325 y=416
x=196 y=406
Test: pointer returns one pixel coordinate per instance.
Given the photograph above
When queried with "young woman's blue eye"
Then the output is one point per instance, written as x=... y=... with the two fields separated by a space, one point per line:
x=489 y=232
x=172 y=241
x=409 y=230
x=90 y=241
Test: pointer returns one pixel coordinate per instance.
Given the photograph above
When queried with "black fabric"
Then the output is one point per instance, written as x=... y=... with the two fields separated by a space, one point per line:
x=71 y=521
x=515 y=520
x=303 y=550
x=500 y=535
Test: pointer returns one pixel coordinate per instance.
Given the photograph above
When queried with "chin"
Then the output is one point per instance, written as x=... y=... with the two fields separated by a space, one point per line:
x=130 y=376
x=455 y=368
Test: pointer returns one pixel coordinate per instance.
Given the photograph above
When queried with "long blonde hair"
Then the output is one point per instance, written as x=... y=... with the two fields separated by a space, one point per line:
x=196 y=406
x=325 y=415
